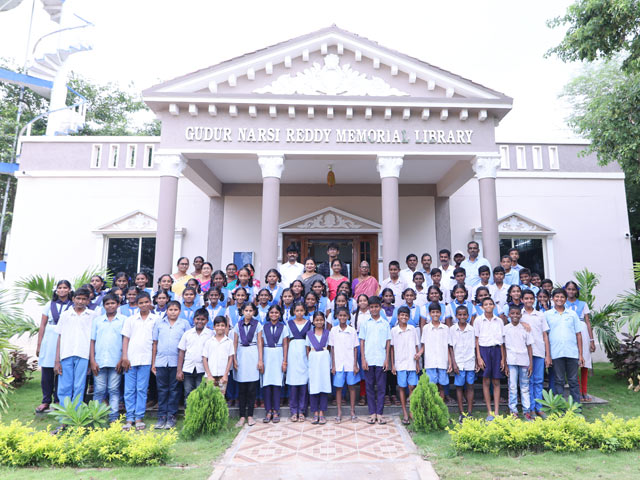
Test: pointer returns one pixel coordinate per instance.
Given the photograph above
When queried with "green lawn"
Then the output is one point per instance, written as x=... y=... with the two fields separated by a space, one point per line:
x=190 y=460
x=436 y=447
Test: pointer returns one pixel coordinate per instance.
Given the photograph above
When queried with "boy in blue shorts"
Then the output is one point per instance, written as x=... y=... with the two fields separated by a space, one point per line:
x=343 y=340
x=435 y=335
x=405 y=357
x=490 y=354
x=462 y=348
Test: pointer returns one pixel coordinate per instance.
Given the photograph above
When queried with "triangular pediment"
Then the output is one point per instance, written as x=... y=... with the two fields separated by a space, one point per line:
x=330 y=220
x=517 y=224
x=136 y=221
x=330 y=62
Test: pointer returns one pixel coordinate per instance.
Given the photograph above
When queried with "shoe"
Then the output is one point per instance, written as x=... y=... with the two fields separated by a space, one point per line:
x=490 y=418
x=267 y=418
x=161 y=424
x=528 y=417
x=387 y=401
x=394 y=400
x=322 y=420
x=541 y=414
x=276 y=417
x=315 y=420
x=250 y=421
x=171 y=423
x=363 y=401
x=293 y=418
x=240 y=423
x=406 y=421
x=460 y=418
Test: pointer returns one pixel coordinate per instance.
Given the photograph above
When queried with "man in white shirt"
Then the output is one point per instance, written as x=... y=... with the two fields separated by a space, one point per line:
x=291 y=269
x=446 y=282
x=394 y=282
x=412 y=267
x=473 y=263
x=190 y=366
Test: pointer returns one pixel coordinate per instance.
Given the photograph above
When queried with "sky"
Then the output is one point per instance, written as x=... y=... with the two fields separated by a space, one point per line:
x=499 y=44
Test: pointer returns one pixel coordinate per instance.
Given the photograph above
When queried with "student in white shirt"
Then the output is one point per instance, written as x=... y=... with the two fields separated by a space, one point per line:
x=511 y=276
x=405 y=357
x=517 y=343
x=190 y=368
x=394 y=282
x=137 y=349
x=485 y=275
x=490 y=354
x=435 y=347
x=292 y=269
x=72 y=351
x=501 y=287
x=217 y=355
x=462 y=348
x=343 y=340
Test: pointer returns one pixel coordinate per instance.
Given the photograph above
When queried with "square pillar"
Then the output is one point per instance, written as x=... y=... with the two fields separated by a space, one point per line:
x=272 y=167
x=389 y=169
x=486 y=168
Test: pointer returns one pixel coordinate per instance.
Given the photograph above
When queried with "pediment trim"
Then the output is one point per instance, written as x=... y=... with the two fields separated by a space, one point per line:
x=330 y=220
x=518 y=225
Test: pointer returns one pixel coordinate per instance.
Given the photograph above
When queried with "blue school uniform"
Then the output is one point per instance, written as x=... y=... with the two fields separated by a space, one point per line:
x=108 y=337
x=233 y=315
x=127 y=310
x=188 y=313
x=214 y=312
x=262 y=314
x=168 y=337
x=160 y=312
x=531 y=287
x=49 y=344
x=414 y=317
x=286 y=313
x=512 y=278
x=319 y=362
x=506 y=308
x=97 y=302
x=247 y=352
x=297 y=361
x=443 y=312
x=276 y=294
x=273 y=355
x=251 y=292
x=480 y=311
x=323 y=304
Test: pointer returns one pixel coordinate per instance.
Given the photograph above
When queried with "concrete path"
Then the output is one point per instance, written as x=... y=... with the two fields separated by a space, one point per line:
x=303 y=451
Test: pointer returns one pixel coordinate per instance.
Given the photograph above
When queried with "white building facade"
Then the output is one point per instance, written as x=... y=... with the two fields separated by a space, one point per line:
x=240 y=171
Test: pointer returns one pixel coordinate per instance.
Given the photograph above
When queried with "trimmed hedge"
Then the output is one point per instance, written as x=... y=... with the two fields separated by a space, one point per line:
x=567 y=433
x=22 y=445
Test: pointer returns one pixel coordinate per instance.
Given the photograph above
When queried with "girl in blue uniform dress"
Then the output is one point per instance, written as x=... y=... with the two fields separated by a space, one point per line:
x=219 y=279
x=160 y=300
x=141 y=281
x=234 y=315
x=165 y=282
x=248 y=364
x=459 y=298
x=297 y=287
x=286 y=303
x=188 y=303
x=481 y=294
x=434 y=294
x=409 y=297
x=48 y=341
x=99 y=288
x=131 y=305
x=272 y=282
x=320 y=289
x=341 y=301
x=215 y=307
x=264 y=302
x=298 y=363
x=388 y=300
x=195 y=284
x=345 y=287
x=310 y=305
x=514 y=297
x=276 y=342
x=317 y=344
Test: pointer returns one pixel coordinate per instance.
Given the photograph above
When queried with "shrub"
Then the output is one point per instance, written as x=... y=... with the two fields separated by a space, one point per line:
x=567 y=433
x=556 y=404
x=22 y=445
x=626 y=359
x=428 y=410
x=206 y=412
x=21 y=368
x=77 y=414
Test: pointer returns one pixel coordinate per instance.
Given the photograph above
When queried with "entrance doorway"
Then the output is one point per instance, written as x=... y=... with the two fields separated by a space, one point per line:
x=353 y=249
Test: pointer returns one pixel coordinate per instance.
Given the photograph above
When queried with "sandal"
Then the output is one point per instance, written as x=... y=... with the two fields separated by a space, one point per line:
x=405 y=421
x=267 y=418
x=316 y=419
x=322 y=420
x=338 y=419
x=276 y=418
x=294 y=417
x=354 y=418
x=140 y=426
x=301 y=417
x=42 y=408
x=372 y=419
x=127 y=426
x=251 y=422
x=362 y=402
x=587 y=398
x=394 y=400
x=240 y=423
x=381 y=420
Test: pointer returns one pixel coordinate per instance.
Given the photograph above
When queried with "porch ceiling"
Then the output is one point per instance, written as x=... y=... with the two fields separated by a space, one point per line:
x=303 y=169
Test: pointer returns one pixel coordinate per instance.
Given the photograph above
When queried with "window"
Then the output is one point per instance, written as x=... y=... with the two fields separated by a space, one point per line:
x=521 y=158
x=554 y=161
x=505 y=162
x=531 y=252
x=114 y=153
x=96 y=156
x=148 y=156
x=131 y=156
x=131 y=255
x=536 y=153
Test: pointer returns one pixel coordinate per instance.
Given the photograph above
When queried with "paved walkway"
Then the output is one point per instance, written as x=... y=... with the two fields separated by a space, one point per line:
x=304 y=451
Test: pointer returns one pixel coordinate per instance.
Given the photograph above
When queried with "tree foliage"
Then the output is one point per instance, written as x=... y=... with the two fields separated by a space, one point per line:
x=428 y=409
x=600 y=29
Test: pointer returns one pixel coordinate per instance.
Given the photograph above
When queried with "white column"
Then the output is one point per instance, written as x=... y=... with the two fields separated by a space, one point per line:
x=272 y=167
x=389 y=169
x=486 y=168
x=170 y=167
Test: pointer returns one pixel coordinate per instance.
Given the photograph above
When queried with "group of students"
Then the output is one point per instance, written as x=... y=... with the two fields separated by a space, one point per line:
x=301 y=341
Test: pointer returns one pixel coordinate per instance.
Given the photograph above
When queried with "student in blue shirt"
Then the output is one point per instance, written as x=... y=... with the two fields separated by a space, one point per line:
x=105 y=354
x=165 y=282
x=375 y=341
x=320 y=289
x=160 y=301
x=409 y=297
x=272 y=282
x=565 y=342
x=167 y=332
x=264 y=298
x=141 y=281
x=215 y=304
x=131 y=305
x=525 y=281
x=511 y=276
x=189 y=306
x=459 y=298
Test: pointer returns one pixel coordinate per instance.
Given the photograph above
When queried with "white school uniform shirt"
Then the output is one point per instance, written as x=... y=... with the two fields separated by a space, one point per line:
x=500 y=295
x=343 y=342
x=404 y=344
x=516 y=339
x=488 y=332
x=538 y=323
x=140 y=334
x=397 y=289
x=290 y=272
x=421 y=297
x=436 y=342
x=463 y=343
x=492 y=290
x=75 y=333
x=217 y=354
x=192 y=344
x=362 y=318
x=447 y=282
x=407 y=276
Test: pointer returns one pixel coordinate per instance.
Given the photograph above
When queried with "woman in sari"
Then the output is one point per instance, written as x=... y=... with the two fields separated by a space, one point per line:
x=365 y=284
x=205 y=277
x=181 y=277
x=309 y=275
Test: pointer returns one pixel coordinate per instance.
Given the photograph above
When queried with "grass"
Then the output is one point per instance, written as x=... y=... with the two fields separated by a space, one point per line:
x=190 y=460
x=436 y=447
